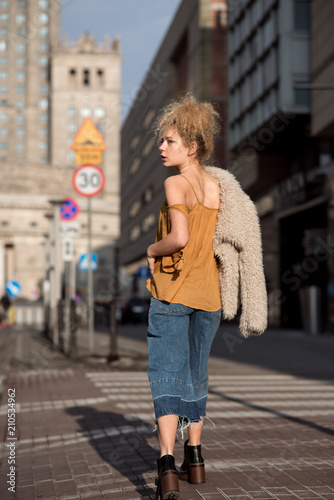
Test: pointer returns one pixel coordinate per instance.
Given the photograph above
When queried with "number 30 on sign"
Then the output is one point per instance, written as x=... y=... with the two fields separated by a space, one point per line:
x=88 y=180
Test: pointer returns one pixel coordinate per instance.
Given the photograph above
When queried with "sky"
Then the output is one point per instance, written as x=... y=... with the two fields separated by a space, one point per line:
x=141 y=25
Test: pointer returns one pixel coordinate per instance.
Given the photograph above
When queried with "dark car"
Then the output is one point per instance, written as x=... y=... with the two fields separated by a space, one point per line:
x=135 y=310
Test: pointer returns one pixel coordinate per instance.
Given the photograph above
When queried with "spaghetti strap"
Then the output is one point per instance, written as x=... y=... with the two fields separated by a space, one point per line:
x=192 y=187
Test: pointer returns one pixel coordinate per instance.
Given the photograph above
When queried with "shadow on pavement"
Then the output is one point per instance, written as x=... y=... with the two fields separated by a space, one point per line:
x=121 y=443
x=279 y=414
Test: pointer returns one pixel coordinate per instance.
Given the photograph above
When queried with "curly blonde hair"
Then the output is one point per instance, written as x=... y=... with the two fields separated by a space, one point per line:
x=194 y=121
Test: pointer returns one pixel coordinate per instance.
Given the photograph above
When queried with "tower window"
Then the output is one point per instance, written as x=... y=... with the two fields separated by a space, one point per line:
x=86 y=77
x=100 y=76
x=73 y=75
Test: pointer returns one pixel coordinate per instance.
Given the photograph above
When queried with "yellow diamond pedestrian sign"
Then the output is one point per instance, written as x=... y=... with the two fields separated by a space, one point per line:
x=88 y=144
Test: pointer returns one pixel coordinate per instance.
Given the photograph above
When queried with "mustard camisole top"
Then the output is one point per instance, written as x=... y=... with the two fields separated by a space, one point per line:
x=189 y=276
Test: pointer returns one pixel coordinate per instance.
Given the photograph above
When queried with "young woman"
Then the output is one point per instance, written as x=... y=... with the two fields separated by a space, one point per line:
x=186 y=287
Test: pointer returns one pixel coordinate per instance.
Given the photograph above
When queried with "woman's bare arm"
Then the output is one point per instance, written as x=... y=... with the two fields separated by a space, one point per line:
x=179 y=234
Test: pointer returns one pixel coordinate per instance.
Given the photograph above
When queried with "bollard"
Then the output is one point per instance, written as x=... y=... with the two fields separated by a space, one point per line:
x=61 y=325
x=113 y=353
x=73 y=329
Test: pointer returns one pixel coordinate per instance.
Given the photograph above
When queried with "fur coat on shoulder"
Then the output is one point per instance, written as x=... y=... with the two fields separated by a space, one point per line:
x=238 y=248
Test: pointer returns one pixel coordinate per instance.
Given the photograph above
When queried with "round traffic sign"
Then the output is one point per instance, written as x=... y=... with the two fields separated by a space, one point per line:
x=69 y=209
x=13 y=288
x=88 y=180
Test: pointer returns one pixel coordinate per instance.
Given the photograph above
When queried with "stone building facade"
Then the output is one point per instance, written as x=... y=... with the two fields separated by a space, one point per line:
x=41 y=107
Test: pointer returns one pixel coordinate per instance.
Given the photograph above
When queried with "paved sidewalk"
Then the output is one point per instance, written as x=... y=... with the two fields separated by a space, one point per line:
x=81 y=434
x=84 y=428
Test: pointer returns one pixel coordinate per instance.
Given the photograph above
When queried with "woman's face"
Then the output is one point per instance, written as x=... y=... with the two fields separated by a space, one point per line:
x=172 y=150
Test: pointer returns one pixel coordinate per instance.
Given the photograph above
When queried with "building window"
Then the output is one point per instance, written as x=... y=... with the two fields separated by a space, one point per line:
x=86 y=76
x=42 y=146
x=4 y=32
x=43 y=32
x=20 y=61
x=4 y=4
x=20 y=47
x=20 y=132
x=20 y=103
x=72 y=127
x=268 y=32
x=21 y=32
x=19 y=146
x=43 y=61
x=3 y=46
x=19 y=118
x=302 y=15
x=43 y=89
x=72 y=76
x=20 y=18
x=100 y=76
x=100 y=126
x=21 y=4
x=148 y=222
x=4 y=61
x=43 y=4
x=20 y=89
x=43 y=103
x=43 y=18
x=3 y=146
x=134 y=166
x=43 y=118
x=42 y=132
x=302 y=97
x=20 y=76
x=3 y=75
x=4 y=17
x=43 y=75
x=86 y=112
x=4 y=132
x=43 y=159
x=134 y=209
x=3 y=117
x=148 y=194
x=3 y=89
x=72 y=111
x=70 y=157
x=148 y=147
x=99 y=112
x=43 y=47
x=135 y=233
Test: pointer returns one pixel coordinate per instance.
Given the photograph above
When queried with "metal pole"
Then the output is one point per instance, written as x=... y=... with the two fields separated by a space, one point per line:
x=90 y=293
x=56 y=285
x=67 y=304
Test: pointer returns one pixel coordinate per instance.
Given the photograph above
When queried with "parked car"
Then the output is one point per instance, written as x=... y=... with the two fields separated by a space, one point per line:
x=135 y=310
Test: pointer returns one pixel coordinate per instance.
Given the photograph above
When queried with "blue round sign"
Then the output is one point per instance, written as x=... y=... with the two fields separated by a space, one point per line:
x=69 y=209
x=13 y=288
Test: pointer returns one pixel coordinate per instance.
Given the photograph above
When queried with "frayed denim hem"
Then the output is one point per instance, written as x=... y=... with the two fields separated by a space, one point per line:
x=184 y=423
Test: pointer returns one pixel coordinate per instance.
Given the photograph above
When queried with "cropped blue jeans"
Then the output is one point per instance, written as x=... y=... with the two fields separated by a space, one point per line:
x=179 y=342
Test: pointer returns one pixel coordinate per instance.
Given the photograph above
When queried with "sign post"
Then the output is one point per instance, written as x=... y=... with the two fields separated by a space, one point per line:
x=88 y=180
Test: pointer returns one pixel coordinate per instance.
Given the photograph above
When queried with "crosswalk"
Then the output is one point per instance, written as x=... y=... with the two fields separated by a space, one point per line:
x=230 y=396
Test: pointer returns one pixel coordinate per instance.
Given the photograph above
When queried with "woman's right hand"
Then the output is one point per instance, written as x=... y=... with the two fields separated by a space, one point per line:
x=150 y=261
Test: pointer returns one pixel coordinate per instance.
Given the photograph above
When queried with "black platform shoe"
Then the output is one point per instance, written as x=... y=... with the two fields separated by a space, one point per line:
x=192 y=469
x=167 y=481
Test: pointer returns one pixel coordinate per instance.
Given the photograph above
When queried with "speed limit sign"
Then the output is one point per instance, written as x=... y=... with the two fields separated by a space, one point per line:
x=88 y=180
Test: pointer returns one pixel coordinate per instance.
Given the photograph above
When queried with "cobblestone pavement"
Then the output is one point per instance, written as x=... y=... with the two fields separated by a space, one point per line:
x=87 y=434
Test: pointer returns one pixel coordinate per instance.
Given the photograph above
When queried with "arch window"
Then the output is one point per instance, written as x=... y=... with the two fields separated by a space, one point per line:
x=86 y=112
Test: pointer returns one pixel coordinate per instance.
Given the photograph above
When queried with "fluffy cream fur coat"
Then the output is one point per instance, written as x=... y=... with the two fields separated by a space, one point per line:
x=238 y=248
